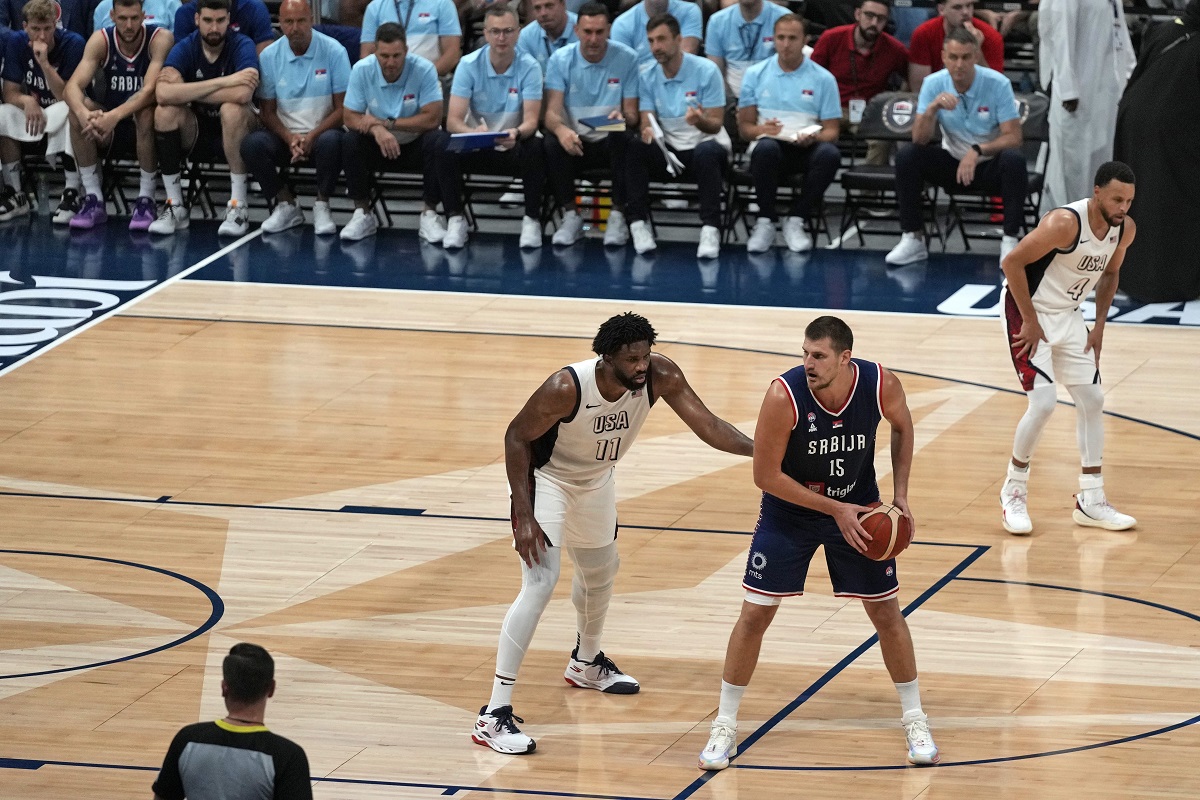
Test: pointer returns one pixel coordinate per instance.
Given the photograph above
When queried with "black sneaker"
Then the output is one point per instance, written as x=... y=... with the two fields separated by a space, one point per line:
x=13 y=205
x=68 y=207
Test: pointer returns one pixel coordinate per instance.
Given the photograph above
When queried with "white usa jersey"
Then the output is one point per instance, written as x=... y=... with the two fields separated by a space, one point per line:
x=1062 y=279
x=583 y=448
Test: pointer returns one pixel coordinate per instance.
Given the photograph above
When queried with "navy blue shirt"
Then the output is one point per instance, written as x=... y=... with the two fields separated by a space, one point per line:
x=247 y=17
x=21 y=68
x=187 y=56
x=832 y=451
x=124 y=76
x=76 y=15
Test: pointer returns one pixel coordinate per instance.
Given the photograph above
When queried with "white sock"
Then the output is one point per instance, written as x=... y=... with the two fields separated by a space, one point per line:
x=174 y=189
x=146 y=186
x=73 y=182
x=502 y=692
x=12 y=176
x=910 y=697
x=237 y=188
x=731 y=701
x=91 y=180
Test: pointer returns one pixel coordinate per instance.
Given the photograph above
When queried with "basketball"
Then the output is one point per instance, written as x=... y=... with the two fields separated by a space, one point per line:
x=889 y=529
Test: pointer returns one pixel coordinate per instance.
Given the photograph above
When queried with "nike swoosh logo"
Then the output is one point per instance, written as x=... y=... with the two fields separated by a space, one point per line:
x=595 y=406
x=1084 y=241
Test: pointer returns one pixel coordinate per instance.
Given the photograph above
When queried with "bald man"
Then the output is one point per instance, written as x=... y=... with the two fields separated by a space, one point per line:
x=304 y=80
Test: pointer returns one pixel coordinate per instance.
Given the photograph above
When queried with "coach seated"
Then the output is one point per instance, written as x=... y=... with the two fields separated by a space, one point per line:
x=393 y=105
x=980 y=151
x=247 y=17
x=304 y=80
x=496 y=89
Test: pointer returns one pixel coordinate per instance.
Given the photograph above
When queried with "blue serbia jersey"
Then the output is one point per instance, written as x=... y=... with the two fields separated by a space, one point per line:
x=832 y=451
x=124 y=76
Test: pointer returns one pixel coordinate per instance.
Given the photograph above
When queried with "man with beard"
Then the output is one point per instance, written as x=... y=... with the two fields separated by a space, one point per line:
x=204 y=109
x=250 y=18
x=560 y=452
x=129 y=56
x=814 y=459
x=865 y=60
x=1073 y=250
x=304 y=80
x=685 y=96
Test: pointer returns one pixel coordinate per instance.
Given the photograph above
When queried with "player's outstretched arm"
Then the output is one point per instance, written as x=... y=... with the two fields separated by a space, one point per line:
x=895 y=411
x=670 y=384
x=1106 y=289
x=1058 y=230
x=554 y=400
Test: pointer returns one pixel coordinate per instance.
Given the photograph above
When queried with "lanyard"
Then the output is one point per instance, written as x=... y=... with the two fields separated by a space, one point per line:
x=750 y=42
x=407 y=15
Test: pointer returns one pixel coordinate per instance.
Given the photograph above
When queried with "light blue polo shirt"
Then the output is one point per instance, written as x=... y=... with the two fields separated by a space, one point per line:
x=698 y=83
x=159 y=12
x=416 y=88
x=805 y=96
x=980 y=109
x=739 y=43
x=424 y=22
x=535 y=42
x=496 y=99
x=630 y=28
x=303 y=86
x=591 y=90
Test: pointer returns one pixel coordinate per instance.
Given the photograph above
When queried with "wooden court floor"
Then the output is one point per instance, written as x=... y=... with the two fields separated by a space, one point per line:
x=321 y=471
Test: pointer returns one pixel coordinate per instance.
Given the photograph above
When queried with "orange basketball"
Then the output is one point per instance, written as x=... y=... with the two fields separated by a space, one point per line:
x=889 y=529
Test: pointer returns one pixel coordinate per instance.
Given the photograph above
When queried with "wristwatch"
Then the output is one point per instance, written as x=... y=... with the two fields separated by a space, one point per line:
x=978 y=150
x=390 y=123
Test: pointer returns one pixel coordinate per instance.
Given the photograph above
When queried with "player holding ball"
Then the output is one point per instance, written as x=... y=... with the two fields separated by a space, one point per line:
x=814 y=453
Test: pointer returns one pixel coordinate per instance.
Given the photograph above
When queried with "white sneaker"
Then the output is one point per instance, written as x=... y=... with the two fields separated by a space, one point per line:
x=323 y=224
x=762 y=237
x=456 y=233
x=569 y=231
x=722 y=746
x=616 y=231
x=172 y=218
x=68 y=206
x=643 y=237
x=432 y=229
x=1006 y=246
x=286 y=215
x=236 y=222
x=921 y=749
x=1014 y=512
x=531 y=233
x=498 y=730
x=909 y=250
x=601 y=674
x=710 y=242
x=360 y=226
x=1093 y=510
x=798 y=240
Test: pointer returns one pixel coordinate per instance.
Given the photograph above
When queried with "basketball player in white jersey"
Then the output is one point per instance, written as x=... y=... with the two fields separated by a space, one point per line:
x=560 y=451
x=1074 y=250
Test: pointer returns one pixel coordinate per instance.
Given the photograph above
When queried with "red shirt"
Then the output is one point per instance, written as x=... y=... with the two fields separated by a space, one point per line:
x=858 y=75
x=925 y=48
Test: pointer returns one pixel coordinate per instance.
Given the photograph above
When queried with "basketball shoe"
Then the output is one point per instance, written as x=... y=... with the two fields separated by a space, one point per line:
x=601 y=673
x=722 y=746
x=1014 y=512
x=1092 y=509
x=498 y=730
x=921 y=749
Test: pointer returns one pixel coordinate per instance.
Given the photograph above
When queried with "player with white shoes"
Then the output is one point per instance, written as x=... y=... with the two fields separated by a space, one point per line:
x=560 y=452
x=1074 y=250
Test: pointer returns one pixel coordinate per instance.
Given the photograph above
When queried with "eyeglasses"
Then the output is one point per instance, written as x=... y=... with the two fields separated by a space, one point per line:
x=499 y=31
x=871 y=16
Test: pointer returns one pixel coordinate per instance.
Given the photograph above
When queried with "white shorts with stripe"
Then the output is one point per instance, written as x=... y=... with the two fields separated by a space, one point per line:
x=1059 y=359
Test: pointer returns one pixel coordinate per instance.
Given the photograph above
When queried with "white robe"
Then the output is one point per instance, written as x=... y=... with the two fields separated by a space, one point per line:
x=1085 y=55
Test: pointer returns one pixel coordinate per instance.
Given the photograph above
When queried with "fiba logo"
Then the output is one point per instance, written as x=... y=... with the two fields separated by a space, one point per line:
x=758 y=560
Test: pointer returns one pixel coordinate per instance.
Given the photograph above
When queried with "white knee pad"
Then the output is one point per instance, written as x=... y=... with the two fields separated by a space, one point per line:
x=1042 y=400
x=1089 y=422
x=537 y=587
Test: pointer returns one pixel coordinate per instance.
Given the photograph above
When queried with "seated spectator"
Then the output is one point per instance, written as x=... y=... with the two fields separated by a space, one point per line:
x=594 y=77
x=393 y=106
x=304 y=80
x=250 y=18
x=980 y=148
x=789 y=111
x=740 y=36
x=553 y=29
x=205 y=96
x=865 y=60
x=685 y=95
x=1020 y=25
x=495 y=89
x=925 y=49
x=70 y=15
x=158 y=12
x=127 y=58
x=236 y=757
x=630 y=27
x=431 y=30
x=38 y=62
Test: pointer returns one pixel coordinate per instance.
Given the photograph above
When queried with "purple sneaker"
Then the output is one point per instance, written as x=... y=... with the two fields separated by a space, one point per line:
x=90 y=214
x=144 y=212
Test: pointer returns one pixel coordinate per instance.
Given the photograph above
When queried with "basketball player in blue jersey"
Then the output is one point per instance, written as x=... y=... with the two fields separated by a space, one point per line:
x=814 y=459
x=1074 y=250
x=128 y=56
x=560 y=451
